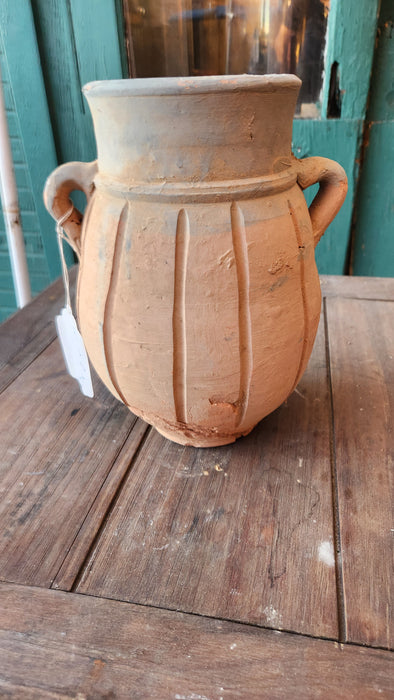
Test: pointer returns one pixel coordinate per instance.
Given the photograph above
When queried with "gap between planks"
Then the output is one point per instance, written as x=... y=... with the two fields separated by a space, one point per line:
x=20 y=341
x=65 y=579
x=342 y=631
x=53 y=461
x=100 y=647
x=85 y=564
x=362 y=373
x=252 y=626
x=45 y=337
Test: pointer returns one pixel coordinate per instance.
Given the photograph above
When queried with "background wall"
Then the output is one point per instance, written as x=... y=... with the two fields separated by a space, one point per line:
x=48 y=50
x=373 y=231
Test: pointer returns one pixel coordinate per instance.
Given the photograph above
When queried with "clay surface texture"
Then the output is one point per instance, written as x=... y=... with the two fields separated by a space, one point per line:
x=198 y=294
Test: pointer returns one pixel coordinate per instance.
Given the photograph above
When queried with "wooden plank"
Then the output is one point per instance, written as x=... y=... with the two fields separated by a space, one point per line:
x=361 y=337
x=83 y=647
x=27 y=354
x=68 y=572
x=57 y=449
x=379 y=288
x=237 y=532
x=26 y=334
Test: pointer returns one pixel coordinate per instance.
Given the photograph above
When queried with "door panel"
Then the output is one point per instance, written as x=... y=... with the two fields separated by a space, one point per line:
x=78 y=42
x=32 y=147
x=373 y=248
x=47 y=51
x=348 y=62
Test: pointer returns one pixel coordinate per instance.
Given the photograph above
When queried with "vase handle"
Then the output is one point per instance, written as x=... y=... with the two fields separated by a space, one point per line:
x=59 y=185
x=332 y=190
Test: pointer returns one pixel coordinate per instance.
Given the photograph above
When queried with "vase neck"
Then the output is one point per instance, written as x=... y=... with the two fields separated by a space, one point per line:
x=193 y=136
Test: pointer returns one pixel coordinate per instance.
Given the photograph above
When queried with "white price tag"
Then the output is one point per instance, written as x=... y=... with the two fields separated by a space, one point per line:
x=74 y=352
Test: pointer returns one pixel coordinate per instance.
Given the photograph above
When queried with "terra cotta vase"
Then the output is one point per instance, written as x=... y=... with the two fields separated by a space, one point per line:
x=198 y=294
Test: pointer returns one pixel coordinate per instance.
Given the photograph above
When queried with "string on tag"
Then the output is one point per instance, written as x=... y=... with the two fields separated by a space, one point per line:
x=60 y=238
x=71 y=341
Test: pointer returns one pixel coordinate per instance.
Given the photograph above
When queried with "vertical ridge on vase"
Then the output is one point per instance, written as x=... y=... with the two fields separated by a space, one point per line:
x=300 y=244
x=182 y=238
x=244 y=317
x=110 y=301
x=85 y=223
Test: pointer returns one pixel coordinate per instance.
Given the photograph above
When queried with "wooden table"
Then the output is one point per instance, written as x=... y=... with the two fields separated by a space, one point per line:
x=133 y=567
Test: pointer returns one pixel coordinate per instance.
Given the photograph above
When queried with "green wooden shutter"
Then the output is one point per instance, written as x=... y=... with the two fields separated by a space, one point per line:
x=79 y=42
x=350 y=44
x=48 y=51
x=32 y=148
x=374 y=212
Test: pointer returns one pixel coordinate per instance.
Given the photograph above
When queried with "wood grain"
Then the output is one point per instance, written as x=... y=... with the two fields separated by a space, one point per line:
x=358 y=287
x=233 y=532
x=361 y=341
x=68 y=572
x=26 y=334
x=56 y=645
x=56 y=451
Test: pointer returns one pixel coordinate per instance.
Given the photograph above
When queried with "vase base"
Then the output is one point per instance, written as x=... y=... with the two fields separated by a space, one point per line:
x=189 y=438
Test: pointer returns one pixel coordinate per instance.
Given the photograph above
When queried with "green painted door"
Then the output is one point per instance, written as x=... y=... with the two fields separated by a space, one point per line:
x=32 y=148
x=373 y=231
x=48 y=50
x=338 y=132
x=67 y=43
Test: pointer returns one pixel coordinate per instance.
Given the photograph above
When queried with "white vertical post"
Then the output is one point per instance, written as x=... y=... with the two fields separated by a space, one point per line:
x=10 y=206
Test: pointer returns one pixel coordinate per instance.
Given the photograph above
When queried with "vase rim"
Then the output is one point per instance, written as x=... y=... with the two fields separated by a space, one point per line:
x=132 y=87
